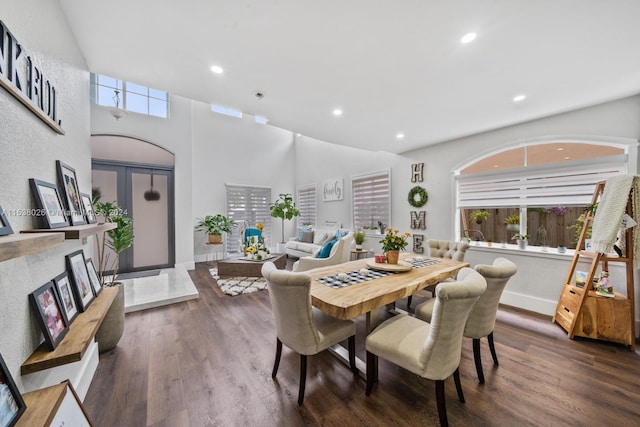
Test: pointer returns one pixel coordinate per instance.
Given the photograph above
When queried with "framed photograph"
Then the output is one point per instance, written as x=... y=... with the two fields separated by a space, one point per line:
x=47 y=306
x=80 y=277
x=11 y=403
x=89 y=212
x=5 y=227
x=69 y=305
x=70 y=193
x=93 y=276
x=49 y=203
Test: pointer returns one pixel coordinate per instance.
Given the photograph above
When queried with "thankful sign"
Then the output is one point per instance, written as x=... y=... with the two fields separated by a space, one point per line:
x=20 y=76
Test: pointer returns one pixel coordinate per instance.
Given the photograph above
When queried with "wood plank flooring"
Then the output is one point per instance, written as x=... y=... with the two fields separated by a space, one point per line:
x=207 y=362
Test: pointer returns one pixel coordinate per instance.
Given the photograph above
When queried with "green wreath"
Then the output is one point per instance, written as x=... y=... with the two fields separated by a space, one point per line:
x=423 y=197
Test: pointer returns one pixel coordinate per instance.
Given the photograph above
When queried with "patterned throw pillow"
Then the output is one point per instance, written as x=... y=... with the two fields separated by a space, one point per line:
x=341 y=233
x=302 y=230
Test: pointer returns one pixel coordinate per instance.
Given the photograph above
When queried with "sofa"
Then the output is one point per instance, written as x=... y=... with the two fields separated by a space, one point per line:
x=308 y=241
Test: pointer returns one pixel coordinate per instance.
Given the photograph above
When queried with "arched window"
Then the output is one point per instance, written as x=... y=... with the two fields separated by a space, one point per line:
x=540 y=188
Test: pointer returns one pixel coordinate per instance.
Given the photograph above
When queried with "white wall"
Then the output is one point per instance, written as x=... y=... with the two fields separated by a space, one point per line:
x=29 y=150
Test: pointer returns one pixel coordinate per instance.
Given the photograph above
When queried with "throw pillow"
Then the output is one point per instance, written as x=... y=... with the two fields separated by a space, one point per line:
x=341 y=233
x=300 y=231
x=327 y=238
x=307 y=236
x=326 y=249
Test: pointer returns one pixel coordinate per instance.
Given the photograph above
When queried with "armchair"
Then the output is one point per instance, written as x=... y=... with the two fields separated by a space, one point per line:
x=340 y=253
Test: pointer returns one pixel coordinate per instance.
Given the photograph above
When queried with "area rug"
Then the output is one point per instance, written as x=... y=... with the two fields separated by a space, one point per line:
x=239 y=285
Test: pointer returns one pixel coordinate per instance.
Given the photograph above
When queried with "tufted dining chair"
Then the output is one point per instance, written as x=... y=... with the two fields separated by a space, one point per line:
x=299 y=326
x=443 y=249
x=430 y=350
x=482 y=319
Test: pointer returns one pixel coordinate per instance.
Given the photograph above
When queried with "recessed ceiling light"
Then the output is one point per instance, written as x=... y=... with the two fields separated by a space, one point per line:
x=495 y=166
x=337 y=112
x=469 y=37
x=519 y=98
x=217 y=69
x=560 y=148
x=567 y=158
x=400 y=135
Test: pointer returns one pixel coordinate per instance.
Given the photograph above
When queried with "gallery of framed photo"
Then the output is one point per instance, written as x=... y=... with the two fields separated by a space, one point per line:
x=69 y=305
x=89 y=212
x=5 y=227
x=80 y=278
x=48 y=310
x=70 y=193
x=93 y=276
x=11 y=403
x=48 y=203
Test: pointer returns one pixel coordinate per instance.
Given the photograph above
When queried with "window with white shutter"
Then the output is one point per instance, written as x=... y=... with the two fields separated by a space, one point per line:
x=247 y=206
x=306 y=203
x=371 y=196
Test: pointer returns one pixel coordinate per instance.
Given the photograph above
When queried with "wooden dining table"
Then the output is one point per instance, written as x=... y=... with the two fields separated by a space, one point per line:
x=369 y=296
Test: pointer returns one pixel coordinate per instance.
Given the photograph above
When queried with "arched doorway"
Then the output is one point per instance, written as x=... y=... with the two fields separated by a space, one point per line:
x=138 y=176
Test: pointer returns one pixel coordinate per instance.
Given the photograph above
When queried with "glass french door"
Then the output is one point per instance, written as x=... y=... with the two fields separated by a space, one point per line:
x=145 y=193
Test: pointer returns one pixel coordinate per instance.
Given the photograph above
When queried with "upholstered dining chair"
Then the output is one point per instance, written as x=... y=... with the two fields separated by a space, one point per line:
x=443 y=249
x=430 y=350
x=482 y=319
x=299 y=326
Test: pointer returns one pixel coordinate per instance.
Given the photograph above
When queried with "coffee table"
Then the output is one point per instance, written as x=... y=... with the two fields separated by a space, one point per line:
x=237 y=266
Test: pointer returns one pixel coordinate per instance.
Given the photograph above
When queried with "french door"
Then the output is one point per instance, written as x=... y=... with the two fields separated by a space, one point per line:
x=146 y=194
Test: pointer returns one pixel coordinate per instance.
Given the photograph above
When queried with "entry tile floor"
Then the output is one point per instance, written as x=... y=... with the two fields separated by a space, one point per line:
x=171 y=285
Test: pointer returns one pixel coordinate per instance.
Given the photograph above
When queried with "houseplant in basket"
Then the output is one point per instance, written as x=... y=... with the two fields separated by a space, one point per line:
x=214 y=226
x=117 y=240
x=393 y=243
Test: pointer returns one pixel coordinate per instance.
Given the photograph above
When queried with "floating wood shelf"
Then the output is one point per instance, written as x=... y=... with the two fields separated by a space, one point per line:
x=42 y=405
x=17 y=245
x=76 y=232
x=74 y=345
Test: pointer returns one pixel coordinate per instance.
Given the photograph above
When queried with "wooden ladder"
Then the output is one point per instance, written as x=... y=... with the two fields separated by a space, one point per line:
x=583 y=313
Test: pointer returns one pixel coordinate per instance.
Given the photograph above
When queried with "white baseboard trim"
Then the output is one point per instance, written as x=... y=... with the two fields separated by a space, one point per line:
x=188 y=265
x=528 y=302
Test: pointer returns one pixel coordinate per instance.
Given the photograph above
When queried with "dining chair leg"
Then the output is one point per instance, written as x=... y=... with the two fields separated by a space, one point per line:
x=276 y=363
x=442 y=409
x=456 y=379
x=478 y=359
x=352 y=354
x=492 y=348
x=409 y=299
x=303 y=378
x=372 y=371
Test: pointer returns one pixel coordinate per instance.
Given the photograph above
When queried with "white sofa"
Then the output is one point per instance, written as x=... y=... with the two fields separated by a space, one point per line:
x=298 y=249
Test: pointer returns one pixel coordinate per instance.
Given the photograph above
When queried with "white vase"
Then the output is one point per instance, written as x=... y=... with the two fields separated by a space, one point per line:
x=522 y=243
x=358 y=247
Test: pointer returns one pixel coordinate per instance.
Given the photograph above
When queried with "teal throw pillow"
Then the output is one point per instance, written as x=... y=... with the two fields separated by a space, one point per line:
x=326 y=249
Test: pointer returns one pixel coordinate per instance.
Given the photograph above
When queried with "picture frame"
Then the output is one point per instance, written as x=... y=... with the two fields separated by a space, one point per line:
x=70 y=193
x=65 y=293
x=49 y=203
x=5 y=227
x=12 y=404
x=49 y=312
x=82 y=289
x=89 y=211
x=96 y=286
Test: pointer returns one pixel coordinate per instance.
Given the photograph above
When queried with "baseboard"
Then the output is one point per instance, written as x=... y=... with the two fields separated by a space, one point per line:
x=188 y=265
x=527 y=302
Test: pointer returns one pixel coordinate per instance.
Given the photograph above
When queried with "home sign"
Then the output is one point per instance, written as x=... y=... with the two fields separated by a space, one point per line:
x=20 y=76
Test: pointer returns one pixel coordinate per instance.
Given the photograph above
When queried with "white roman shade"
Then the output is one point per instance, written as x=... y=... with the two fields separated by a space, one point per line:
x=371 y=196
x=247 y=205
x=566 y=184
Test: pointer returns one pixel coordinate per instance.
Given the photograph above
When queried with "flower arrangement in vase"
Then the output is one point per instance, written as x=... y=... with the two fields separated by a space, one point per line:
x=256 y=249
x=393 y=243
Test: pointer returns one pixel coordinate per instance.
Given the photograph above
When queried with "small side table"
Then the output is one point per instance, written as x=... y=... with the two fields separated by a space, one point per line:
x=213 y=249
x=357 y=254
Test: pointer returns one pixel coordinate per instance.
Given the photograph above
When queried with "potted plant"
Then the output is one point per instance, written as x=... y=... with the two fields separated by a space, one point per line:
x=393 y=243
x=358 y=237
x=284 y=208
x=214 y=226
x=118 y=240
x=522 y=239
x=562 y=248
x=513 y=222
x=479 y=216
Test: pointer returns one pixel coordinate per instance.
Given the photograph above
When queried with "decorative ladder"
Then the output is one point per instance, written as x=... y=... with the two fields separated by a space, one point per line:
x=583 y=313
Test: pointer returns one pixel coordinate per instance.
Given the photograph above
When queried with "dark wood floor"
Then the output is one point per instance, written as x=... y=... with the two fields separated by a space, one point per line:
x=207 y=362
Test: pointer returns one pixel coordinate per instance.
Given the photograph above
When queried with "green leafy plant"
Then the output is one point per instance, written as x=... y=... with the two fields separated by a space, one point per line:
x=284 y=208
x=519 y=236
x=513 y=219
x=359 y=236
x=214 y=224
x=577 y=227
x=118 y=239
x=393 y=241
x=479 y=216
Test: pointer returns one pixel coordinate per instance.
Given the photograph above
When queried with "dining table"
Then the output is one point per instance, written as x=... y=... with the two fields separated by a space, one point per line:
x=365 y=292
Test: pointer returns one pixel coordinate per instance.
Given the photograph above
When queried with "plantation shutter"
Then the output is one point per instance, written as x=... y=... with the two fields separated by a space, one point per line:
x=371 y=199
x=247 y=206
x=306 y=203
x=572 y=184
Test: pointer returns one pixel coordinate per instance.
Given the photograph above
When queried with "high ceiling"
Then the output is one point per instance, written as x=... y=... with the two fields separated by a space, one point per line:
x=391 y=66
